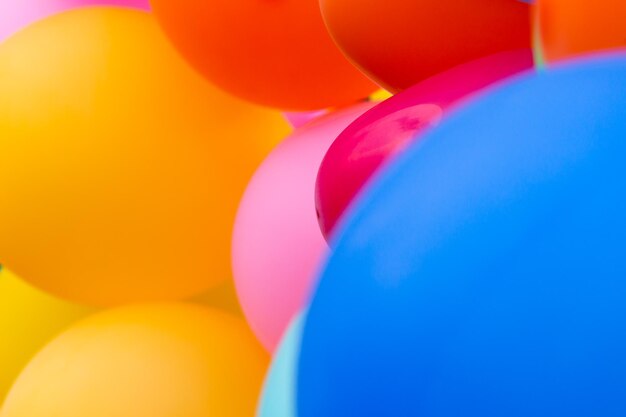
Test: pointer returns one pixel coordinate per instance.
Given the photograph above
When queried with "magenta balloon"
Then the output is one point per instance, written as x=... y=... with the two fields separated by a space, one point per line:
x=16 y=14
x=386 y=129
x=277 y=245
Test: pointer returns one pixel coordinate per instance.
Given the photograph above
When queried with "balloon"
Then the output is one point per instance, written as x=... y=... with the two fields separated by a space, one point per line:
x=279 y=390
x=538 y=53
x=573 y=28
x=28 y=319
x=482 y=274
x=122 y=168
x=384 y=131
x=401 y=42
x=14 y=15
x=273 y=53
x=144 y=361
x=277 y=245
x=298 y=119
x=223 y=297
x=380 y=95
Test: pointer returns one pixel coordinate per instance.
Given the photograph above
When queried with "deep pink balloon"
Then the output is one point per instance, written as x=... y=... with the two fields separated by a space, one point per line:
x=16 y=14
x=386 y=129
x=277 y=245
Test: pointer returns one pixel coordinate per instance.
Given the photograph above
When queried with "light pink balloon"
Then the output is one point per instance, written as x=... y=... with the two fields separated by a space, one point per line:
x=298 y=119
x=277 y=244
x=16 y=14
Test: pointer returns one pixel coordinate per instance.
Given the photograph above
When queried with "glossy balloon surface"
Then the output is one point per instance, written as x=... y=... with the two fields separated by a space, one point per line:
x=401 y=42
x=115 y=157
x=573 y=28
x=276 y=53
x=144 y=361
x=277 y=245
x=279 y=390
x=482 y=274
x=29 y=318
x=15 y=15
x=384 y=131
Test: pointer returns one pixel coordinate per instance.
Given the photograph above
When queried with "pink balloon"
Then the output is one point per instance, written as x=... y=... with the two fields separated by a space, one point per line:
x=277 y=245
x=298 y=119
x=16 y=14
x=386 y=129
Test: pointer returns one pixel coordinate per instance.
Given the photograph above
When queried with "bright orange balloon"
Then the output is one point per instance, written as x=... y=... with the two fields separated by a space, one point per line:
x=276 y=53
x=121 y=167
x=400 y=42
x=144 y=361
x=570 y=28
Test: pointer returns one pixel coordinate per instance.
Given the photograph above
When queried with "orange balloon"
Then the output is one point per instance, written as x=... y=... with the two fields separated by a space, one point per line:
x=400 y=42
x=144 y=361
x=276 y=53
x=570 y=27
x=222 y=297
x=121 y=167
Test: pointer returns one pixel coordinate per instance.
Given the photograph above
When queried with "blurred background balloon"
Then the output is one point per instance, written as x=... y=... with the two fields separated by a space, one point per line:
x=144 y=361
x=279 y=390
x=29 y=318
x=273 y=53
x=538 y=54
x=16 y=14
x=122 y=167
x=382 y=132
x=277 y=245
x=380 y=95
x=571 y=28
x=483 y=272
x=223 y=297
x=401 y=42
x=298 y=119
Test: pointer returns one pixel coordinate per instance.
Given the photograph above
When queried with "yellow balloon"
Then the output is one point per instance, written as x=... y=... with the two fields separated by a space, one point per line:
x=121 y=167
x=28 y=319
x=380 y=95
x=144 y=361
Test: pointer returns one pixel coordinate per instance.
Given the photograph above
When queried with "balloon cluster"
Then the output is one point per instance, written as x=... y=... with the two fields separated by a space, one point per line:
x=312 y=208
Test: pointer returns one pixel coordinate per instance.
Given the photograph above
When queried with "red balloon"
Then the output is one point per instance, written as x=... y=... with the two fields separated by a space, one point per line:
x=399 y=43
x=386 y=129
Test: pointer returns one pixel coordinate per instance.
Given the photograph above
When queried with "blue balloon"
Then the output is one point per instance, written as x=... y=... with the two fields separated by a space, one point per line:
x=279 y=391
x=483 y=274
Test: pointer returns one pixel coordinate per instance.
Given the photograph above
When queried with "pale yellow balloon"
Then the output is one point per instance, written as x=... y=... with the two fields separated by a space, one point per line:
x=28 y=319
x=171 y=360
